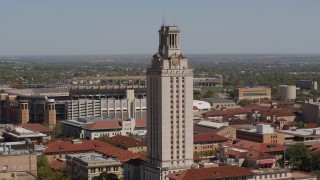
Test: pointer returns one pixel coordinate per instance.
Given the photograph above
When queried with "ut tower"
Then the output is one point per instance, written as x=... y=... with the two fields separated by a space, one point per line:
x=169 y=109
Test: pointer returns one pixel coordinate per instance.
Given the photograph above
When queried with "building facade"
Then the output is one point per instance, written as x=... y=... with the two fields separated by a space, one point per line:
x=311 y=112
x=307 y=84
x=286 y=92
x=262 y=134
x=169 y=115
x=90 y=165
x=48 y=105
x=252 y=93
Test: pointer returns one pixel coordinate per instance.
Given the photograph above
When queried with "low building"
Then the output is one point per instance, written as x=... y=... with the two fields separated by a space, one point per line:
x=216 y=81
x=280 y=174
x=91 y=128
x=17 y=176
x=201 y=105
x=212 y=127
x=222 y=172
x=273 y=149
x=90 y=165
x=220 y=103
x=127 y=143
x=252 y=159
x=307 y=84
x=302 y=135
x=207 y=143
x=19 y=163
x=274 y=114
x=224 y=114
x=252 y=93
x=263 y=133
x=59 y=149
x=115 y=127
x=39 y=128
x=18 y=133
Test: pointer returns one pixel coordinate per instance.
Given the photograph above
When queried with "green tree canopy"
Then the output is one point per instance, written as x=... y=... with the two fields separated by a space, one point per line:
x=299 y=157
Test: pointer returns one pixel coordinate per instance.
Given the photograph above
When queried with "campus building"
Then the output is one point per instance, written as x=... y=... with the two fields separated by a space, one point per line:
x=286 y=92
x=90 y=165
x=169 y=115
x=307 y=84
x=252 y=93
x=263 y=133
x=49 y=105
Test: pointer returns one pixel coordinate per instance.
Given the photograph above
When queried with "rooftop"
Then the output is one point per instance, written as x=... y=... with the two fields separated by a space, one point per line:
x=118 y=153
x=40 y=91
x=125 y=141
x=223 y=112
x=211 y=173
x=263 y=147
x=58 y=164
x=208 y=137
x=74 y=146
x=217 y=100
x=108 y=124
x=93 y=157
x=210 y=124
x=252 y=154
x=37 y=127
x=302 y=132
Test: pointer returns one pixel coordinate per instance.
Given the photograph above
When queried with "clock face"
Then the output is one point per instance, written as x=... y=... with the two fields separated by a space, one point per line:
x=175 y=61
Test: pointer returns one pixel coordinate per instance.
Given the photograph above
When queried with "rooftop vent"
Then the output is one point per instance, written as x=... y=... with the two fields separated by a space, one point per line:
x=76 y=141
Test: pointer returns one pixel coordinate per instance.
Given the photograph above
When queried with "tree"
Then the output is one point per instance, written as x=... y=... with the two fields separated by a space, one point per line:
x=106 y=176
x=299 y=157
x=57 y=130
x=44 y=170
x=300 y=124
x=244 y=102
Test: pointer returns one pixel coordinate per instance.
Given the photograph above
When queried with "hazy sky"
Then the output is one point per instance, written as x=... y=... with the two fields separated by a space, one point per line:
x=43 y=27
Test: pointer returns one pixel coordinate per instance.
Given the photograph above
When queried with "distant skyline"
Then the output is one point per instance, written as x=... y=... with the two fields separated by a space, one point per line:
x=79 y=27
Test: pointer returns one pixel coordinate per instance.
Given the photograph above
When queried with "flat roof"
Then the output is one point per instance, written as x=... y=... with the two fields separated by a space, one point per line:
x=25 y=133
x=210 y=124
x=92 y=157
x=301 y=132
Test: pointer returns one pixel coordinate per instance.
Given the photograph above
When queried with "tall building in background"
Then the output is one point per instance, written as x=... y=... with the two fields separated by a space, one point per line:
x=169 y=112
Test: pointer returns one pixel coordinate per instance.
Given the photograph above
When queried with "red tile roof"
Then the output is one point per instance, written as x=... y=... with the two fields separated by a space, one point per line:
x=69 y=146
x=263 y=147
x=291 y=123
x=141 y=123
x=227 y=112
x=280 y=112
x=120 y=154
x=124 y=141
x=58 y=164
x=311 y=125
x=252 y=154
x=108 y=124
x=137 y=161
x=37 y=127
x=208 y=137
x=211 y=173
x=258 y=107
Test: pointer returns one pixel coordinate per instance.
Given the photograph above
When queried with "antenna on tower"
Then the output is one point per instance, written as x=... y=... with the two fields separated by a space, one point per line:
x=163 y=20
x=173 y=19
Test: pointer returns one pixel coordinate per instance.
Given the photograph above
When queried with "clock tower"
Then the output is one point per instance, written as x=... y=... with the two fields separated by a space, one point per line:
x=169 y=109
